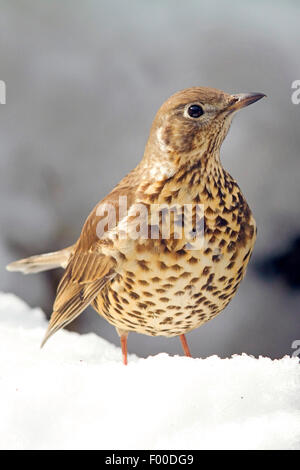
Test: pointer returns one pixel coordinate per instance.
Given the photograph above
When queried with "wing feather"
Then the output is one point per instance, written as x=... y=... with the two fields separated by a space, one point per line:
x=74 y=296
x=88 y=269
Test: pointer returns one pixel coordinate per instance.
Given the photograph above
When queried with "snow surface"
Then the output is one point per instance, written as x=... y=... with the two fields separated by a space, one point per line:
x=76 y=393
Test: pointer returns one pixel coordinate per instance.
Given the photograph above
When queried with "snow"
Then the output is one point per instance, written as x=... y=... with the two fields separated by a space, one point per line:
x=76 y=394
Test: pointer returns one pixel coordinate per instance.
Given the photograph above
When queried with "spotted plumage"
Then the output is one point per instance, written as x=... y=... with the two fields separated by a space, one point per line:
x=145 y=281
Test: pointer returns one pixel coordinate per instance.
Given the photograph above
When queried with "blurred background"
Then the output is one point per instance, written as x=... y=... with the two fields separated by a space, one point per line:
x=84 y=81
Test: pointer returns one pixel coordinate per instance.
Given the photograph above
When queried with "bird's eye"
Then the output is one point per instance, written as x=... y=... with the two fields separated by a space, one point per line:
x=195 y=111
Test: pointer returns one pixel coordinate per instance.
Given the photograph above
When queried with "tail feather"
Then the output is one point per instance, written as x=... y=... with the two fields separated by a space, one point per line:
x=44 y=262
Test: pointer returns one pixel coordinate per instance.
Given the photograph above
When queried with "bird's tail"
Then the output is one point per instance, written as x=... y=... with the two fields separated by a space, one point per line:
x=45 y=262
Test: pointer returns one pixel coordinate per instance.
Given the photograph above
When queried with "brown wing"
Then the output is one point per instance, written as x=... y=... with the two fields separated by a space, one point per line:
x=89 y=269
x=85 y=276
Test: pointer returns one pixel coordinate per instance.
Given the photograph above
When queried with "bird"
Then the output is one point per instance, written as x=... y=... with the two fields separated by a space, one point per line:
x=134 y=272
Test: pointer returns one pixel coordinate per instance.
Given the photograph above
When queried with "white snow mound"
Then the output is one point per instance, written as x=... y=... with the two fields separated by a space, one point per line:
x=76 y=394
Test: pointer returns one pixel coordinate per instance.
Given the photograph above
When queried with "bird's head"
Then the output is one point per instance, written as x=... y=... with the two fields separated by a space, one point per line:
x=195 y=121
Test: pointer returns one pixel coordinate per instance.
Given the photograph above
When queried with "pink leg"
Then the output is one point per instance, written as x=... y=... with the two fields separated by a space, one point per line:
x=123 y=340
x=185 y=346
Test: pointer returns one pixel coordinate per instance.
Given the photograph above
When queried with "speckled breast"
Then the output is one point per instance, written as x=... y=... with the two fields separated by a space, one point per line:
x=165 y=289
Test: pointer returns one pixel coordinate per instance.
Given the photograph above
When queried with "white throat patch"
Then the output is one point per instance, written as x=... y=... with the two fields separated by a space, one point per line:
x=162 y=167
x=161 y=143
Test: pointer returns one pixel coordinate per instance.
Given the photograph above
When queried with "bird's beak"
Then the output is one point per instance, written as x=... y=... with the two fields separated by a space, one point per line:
x=241 y=100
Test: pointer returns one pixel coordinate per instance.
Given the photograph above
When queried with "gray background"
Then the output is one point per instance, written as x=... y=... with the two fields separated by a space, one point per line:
x=84 y=80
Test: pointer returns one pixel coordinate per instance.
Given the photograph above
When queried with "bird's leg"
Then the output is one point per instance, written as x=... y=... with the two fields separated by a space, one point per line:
x=185 y=346
x=124 y=348
x=123 y=339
